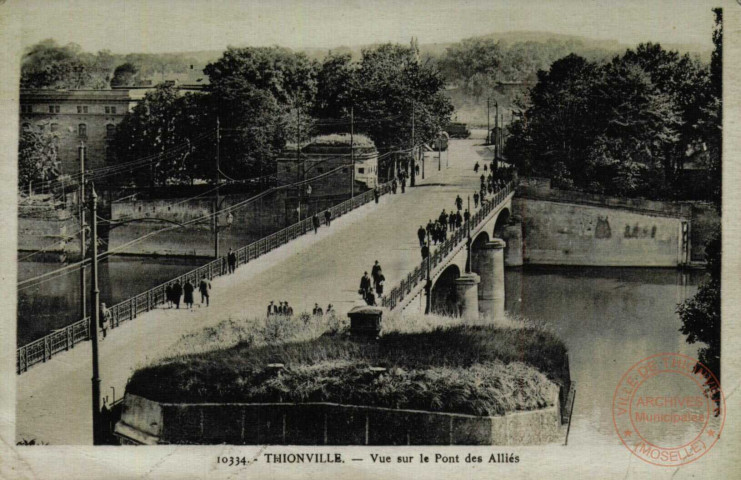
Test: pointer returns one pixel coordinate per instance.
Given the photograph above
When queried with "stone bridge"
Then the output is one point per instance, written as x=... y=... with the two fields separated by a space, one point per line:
x=465 y=274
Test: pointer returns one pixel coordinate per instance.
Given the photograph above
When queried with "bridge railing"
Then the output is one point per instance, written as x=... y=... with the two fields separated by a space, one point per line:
x=419 y=274
x=63 y=339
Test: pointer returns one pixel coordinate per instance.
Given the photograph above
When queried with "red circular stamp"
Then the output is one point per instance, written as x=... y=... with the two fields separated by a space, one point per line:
x=668 y=409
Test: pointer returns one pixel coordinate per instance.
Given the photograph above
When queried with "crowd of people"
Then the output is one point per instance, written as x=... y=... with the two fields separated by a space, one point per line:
x=175 y=293
x=371 y=288
x=282 y=308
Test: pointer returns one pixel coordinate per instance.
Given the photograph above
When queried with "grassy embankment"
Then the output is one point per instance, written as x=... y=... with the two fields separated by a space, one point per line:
x=433 y=363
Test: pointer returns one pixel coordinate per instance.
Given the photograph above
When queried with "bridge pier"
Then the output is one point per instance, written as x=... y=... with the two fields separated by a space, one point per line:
x=491 y=270
x=468 y=297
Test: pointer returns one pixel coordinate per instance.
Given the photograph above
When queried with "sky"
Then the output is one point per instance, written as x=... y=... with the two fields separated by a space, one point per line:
x=153 y=26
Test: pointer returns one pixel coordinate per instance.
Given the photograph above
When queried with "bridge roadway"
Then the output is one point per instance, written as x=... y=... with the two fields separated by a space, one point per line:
x=54 y=398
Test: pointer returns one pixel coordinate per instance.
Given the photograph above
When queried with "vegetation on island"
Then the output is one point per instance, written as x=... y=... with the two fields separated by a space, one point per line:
x=432 y=363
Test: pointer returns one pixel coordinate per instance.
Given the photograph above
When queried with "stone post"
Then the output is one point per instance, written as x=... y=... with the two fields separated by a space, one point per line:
x=365 y=321
x=466 y=287
x=491 y=269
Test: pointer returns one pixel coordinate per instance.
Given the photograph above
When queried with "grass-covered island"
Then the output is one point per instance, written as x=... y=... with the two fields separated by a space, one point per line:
x=432 y=363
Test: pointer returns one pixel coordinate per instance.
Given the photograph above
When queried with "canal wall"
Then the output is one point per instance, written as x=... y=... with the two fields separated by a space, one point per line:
x=43 y=227
x=573 y=228
x=322 y=423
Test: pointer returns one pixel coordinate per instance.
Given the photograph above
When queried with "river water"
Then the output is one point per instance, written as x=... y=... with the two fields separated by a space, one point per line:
x=609 y=318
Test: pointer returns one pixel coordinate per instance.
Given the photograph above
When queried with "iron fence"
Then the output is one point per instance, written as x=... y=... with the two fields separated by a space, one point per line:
x=63 y=339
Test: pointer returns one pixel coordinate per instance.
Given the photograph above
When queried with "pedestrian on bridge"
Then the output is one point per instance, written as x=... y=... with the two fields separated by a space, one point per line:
x=421 y=233
x=329 y=309
x=379 y=284
x=443 y=217
x=484 y=167
x=204 y=288
x=425 y=251
x=458 y=220
x=377 y=193
x=315 y=222
x=483 y=179
x=451 y=221
x=168 y=295
x=188 y=294
x=177 y=292
x=365 y=285
x=416 y=169
x=328 y=217
x=370 y=298
x=375 y=272
x=475 y=200
x=466 y=216
x=476 y=168
x=430 y=228
x=277 y=309
x=231 y=260
x=105 y=319
x=393 y=186
x=459 y=203
x=288 y=310
x=403 y=184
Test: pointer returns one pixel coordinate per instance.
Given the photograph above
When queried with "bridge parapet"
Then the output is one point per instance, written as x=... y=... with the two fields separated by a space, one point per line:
x=433 y=264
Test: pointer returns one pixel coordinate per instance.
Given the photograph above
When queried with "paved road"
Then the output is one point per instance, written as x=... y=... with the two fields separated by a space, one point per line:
x=54 y=398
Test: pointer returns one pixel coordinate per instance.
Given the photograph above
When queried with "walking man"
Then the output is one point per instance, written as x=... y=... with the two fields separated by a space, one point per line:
x=425 y=251
x=475 y=199
x=105 y=319
x=365 y=285
x=466 y=216
x=188 y=294
x=379 y=283
x=204 y=288
x=315 y=222
x=476 y=168
x=451 y=221
x=317 y=310
x=375 y=271
x=328 y=217
x=421 y=235
x=403 y=184
x=231 y=259
x=177 y=292
x=458 y=220
x=270 y=308
x=393 y=186
x=289 y=310
x=377 y=194
x=168 y=295
x=459 y=203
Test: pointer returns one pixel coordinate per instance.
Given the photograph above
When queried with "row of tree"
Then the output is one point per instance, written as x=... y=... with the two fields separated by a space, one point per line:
x=624 y=127
x=264 y=97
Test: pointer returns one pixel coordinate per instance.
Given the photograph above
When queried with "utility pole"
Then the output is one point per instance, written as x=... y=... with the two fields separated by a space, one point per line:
x=439 y=152
x=496 y=131
x=95 y=316
x=217 y=178
x=81 y=214
x=488 y=127
x=352 y=150
x=411 y=177
x=299 y=172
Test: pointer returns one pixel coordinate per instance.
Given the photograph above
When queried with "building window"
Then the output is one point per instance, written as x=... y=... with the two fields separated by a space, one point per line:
x=26 y=109
x=111 y=110
x=53 y=108
x=54 y=127
x=361 y=170
x=82 y=109
x=82 y=130
x=110 y=131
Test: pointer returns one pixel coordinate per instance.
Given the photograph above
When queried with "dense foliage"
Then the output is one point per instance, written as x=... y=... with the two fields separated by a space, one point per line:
x=625 y=127
x=266 y=97
x=37 y=157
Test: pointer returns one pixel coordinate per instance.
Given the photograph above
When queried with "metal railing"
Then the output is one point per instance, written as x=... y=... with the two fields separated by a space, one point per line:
x=63 y=339
x=398 y=293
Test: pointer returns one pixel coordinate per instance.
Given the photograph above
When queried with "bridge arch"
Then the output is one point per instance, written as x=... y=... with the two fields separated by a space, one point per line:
x=444 y=298
x=501 y=222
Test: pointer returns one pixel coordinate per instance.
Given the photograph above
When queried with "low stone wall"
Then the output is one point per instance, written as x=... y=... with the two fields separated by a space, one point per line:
x=146 y=422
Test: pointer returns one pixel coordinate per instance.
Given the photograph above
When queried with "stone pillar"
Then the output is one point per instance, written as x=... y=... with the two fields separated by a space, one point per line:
x=513 y=253
x=491 y=269
x=468 y=296
x=365 y=321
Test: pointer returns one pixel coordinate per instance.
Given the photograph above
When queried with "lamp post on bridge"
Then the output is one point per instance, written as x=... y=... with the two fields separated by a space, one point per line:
x=95 y=318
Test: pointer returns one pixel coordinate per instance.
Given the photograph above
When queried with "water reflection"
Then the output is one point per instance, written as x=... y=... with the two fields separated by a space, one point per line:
x=56 y=303
x=610 y=318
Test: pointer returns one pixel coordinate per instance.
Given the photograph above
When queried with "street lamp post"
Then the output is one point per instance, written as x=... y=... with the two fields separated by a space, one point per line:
x=95 y=318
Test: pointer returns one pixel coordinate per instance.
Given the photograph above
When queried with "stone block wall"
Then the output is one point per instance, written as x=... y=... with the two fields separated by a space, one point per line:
x=146 y=422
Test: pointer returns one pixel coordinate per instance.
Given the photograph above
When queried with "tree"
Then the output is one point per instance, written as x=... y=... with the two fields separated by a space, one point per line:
x=335 y=84
x=37 y=157
x=124 y=75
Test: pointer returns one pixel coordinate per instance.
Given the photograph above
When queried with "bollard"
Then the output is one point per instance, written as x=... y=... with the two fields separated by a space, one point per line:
x=365 y=321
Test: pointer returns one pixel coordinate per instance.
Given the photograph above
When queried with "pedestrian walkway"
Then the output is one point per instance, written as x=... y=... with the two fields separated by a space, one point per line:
x=54 y=399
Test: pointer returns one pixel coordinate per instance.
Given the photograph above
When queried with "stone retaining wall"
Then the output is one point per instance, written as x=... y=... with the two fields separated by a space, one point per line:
x=146 y=422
